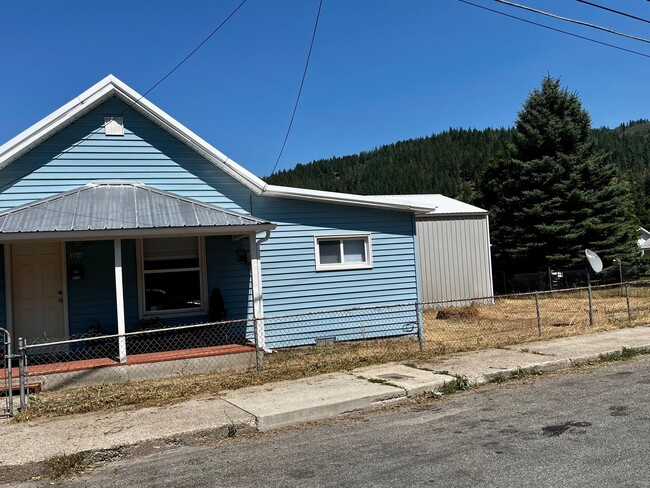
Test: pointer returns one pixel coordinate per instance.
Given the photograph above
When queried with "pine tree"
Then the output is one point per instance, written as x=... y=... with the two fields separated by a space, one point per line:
x=551 y=193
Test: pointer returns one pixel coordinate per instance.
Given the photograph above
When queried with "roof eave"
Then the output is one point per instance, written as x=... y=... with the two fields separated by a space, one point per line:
x=338 y=198
x=81 y=235
x=433 y=215
x=46 y=127
x=98 y=93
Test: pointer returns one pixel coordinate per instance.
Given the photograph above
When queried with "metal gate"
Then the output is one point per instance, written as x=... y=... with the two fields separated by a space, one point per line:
x=6 y=377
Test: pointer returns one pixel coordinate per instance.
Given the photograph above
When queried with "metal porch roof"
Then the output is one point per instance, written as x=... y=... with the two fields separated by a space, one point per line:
x=116 y=208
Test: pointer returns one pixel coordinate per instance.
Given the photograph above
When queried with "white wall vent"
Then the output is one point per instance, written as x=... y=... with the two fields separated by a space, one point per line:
x=113 y=126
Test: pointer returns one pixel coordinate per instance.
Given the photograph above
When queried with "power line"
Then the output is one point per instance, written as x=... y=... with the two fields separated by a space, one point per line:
x=214 y=31
x=573 y=21
x=136 y=102
x=302 y=82
x=613 y=46
x=614 y=11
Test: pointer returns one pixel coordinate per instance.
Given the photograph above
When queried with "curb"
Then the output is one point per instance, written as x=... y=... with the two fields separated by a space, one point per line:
x=387 y=394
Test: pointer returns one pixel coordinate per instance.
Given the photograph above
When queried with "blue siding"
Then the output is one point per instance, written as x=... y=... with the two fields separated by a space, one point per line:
x=232 y=278
x=130 y=283
x=76 y=155
x=292 y=285
x=148 y=154
x=92 y=300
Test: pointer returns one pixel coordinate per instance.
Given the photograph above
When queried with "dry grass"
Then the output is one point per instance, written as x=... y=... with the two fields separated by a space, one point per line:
x=507 y=321
x=513 y=320
x=282 y=365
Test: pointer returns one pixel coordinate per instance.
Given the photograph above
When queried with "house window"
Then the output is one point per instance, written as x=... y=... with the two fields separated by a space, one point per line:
x=171 y=276
x=343 y=252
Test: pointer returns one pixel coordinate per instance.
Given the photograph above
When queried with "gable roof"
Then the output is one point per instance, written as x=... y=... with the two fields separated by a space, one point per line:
x=111 y=86
x=120 y=209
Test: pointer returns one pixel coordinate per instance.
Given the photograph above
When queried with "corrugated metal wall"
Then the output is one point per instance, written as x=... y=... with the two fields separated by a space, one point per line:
x=454 y=258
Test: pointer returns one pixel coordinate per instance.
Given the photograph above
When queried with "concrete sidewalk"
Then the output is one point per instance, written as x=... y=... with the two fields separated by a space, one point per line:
x=274 y=405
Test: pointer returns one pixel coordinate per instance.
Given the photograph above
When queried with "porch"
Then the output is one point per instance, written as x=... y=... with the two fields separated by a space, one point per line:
x=90 y=273
x=47 y=369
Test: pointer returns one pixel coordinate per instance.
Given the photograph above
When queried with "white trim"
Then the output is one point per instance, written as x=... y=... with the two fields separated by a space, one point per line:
x=87 y=235
x=100 y=92
x=111 y=86
x=343 y=198
x=9 y=304
x=257 y=293
x=177 y=312
x=119 y=298
x=367 y=238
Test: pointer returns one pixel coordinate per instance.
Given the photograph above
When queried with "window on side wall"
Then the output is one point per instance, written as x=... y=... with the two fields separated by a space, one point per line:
x=343 y=252
x=171 y=276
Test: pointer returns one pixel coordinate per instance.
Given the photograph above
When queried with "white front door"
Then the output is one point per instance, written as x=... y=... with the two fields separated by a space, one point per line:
x=37 y=279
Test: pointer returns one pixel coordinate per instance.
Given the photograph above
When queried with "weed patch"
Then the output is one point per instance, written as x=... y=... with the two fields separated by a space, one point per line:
x=624 y=354
x=459 y=383
x=66 y=465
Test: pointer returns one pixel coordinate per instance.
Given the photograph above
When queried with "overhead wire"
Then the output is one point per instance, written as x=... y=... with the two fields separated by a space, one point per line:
x=302 y=82
x=136 y=102
x=614 y=11
x=554 y=29
x=573 y=21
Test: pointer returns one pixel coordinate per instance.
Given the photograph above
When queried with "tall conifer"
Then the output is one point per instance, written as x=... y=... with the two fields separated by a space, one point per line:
x=551 y=193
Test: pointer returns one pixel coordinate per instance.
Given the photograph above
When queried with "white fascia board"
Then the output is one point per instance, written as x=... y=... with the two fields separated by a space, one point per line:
x=340 y=198
x=170 y=124
x=434 y=215
x=100 y=92
x=90 y=235
x=51 y=124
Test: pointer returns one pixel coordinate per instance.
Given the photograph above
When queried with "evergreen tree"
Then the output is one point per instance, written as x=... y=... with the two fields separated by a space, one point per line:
x=551 y=193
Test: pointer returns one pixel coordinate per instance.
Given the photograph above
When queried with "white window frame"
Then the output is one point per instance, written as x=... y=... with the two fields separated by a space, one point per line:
x=179 y=312
x=343 y=265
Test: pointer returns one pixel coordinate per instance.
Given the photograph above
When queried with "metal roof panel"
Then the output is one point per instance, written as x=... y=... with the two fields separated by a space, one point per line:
x=117 y=205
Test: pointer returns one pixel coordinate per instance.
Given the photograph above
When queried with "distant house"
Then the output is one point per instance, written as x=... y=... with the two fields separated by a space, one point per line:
x=113 y=213
x=644 y=241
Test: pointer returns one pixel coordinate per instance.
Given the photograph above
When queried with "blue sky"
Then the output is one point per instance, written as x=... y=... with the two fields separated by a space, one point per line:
x=381 y=70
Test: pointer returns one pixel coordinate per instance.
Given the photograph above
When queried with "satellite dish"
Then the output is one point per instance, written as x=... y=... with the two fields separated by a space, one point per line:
x=594 y=261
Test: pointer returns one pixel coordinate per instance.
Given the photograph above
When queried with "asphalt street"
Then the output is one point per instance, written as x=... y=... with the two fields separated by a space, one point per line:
x=587 y=427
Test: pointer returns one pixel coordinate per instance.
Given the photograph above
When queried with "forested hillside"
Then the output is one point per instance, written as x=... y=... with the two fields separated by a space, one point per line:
x=452 y=162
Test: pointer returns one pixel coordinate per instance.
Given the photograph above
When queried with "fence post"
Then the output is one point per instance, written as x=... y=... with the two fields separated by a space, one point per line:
x=627 y=299
x=22 y=372
x=591 y=308
x=539 y=317
x=10 y=380
x=420 y=326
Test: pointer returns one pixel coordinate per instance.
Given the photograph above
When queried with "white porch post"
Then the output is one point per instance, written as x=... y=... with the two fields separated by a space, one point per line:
x=119 y=295
x=256 y=287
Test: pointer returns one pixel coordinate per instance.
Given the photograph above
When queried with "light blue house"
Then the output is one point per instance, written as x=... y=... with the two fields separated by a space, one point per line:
x=112 y=212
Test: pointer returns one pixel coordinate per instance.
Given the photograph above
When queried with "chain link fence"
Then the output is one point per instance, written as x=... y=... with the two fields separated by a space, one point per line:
x=6 y=374
x=324 y=341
